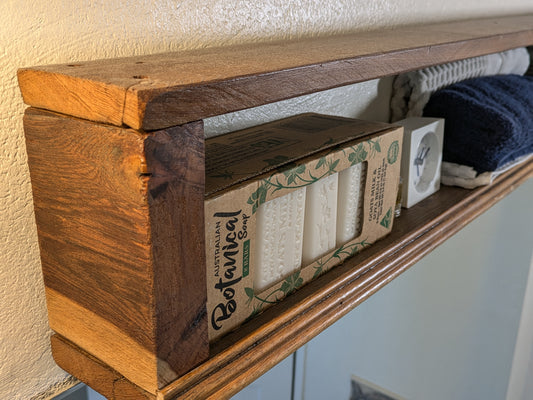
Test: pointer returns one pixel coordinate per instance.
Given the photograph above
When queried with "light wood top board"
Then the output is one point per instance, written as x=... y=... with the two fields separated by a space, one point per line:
x=157 y=91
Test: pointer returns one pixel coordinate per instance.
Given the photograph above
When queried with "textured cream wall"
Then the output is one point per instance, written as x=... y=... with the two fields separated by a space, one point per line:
x=54 y=31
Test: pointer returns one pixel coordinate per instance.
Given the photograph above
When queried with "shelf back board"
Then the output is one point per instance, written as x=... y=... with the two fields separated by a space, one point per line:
x=157 y=91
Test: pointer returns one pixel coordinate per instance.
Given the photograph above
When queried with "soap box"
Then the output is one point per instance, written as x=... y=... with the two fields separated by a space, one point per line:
x=247 y=168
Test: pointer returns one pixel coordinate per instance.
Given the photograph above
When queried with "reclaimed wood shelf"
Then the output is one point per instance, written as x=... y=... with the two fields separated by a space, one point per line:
x=116 y=157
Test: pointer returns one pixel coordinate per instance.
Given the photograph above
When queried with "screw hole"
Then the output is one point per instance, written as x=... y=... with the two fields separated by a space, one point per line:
x=139 y=62
x=74 y=65
x=140 y=77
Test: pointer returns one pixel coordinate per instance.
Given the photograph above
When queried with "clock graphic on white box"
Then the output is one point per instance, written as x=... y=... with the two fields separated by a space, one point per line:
x=421 y=158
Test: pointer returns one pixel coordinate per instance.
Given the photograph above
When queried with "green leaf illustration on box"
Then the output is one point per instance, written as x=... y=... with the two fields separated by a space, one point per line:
x=375 y=147
x=293 y=174
x=387 y=219
x=294 y=178
x=271 y=298
x=295 y=281
x=320 y=163
x=359 y=154
x=258 y=197
x=345 y=251
x=289 y=285
x=332 y=166
x=250 y=293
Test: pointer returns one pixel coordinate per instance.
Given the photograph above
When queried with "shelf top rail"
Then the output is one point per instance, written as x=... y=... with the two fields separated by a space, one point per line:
x=157 y=91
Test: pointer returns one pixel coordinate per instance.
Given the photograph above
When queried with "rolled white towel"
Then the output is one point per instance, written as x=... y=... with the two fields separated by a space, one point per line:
x=412 y=90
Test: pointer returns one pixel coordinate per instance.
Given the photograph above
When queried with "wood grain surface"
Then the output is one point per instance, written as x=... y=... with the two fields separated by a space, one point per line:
x=158 y=91
x=176 y=188
x=93 y=372
x=120 y=224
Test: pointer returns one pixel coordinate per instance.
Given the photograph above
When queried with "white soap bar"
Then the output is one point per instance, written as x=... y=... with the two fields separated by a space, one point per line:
x=348 y=204
x=279 y=237
x=320 y=218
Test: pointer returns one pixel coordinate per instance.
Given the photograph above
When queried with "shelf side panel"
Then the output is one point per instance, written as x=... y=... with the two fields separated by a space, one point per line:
x=176 y=188
x=113 y=216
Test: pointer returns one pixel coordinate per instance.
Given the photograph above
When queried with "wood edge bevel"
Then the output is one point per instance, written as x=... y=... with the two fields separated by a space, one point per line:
x=94 y=372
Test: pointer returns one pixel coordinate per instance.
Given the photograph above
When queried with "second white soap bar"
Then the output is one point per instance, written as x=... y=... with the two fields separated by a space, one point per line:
x=280 y=225
x=348 y=205
x=320 y=218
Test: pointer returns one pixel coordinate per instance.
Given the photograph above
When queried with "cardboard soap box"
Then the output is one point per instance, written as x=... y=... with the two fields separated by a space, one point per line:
x=247 y=168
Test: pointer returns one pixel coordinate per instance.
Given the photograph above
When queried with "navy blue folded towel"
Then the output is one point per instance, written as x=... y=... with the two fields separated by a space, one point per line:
x=488 y=120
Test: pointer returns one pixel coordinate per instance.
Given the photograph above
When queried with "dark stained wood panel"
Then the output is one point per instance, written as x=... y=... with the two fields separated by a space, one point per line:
x=176 y=188
x=157 y=91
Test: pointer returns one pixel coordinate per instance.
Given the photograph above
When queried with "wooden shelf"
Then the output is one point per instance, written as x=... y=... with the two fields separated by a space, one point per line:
x=118 y=192
x=158 y=91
